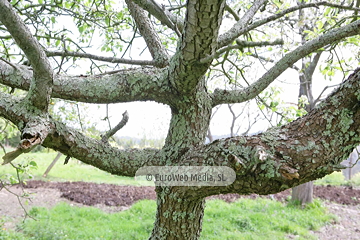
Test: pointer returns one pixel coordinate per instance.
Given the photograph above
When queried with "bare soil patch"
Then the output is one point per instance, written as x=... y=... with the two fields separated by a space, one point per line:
x=114 y=195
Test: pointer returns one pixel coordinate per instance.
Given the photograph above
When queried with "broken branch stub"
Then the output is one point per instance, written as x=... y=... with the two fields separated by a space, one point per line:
x=33 y=134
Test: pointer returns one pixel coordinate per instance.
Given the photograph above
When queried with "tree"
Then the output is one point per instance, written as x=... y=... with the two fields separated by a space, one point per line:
x=304 y=192
x=280 y=158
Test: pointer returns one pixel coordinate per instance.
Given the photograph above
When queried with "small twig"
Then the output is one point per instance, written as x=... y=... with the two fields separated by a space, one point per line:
x=3 y=148
x=176 y=8
x=120 y=125
x=8 y=63
x=357 y=160
x=240 y=45
x=20 y=203
x=232 y=12
x=111 y=72
x=79 y=117
x=325 y=88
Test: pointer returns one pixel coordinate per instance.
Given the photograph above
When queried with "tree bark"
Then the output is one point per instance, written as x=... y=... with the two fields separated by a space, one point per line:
x=177 y=217
x=303 y=193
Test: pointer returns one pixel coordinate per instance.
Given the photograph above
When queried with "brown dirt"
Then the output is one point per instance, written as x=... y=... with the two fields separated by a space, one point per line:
x=114 y=195
x=342 y=201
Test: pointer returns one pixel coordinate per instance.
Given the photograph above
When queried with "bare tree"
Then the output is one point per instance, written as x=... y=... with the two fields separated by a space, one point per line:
x=189 y=40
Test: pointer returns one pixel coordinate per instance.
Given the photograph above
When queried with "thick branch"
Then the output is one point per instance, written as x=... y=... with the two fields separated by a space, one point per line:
x=123 y=86
x=203 y=20
x=149 y=34
x=74 y=144
x=40 y=89
x=280 y=158
x=32 y=135
x=235 y=96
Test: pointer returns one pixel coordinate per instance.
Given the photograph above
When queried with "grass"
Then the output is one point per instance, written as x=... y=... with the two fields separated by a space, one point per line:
x=338 y=179
x=243 y=219
x=262 y=219
x=73 y=171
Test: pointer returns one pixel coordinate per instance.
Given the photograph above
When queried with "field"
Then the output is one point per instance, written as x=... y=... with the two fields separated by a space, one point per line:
x=78 y=210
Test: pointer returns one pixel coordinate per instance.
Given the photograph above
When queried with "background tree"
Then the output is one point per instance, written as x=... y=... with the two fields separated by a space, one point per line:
x=186 y=40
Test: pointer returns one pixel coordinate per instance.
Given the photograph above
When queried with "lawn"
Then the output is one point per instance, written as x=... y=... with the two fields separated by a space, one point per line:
x=243 y=219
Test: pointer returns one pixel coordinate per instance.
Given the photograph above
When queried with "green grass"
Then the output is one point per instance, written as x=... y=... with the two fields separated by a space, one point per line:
x=338 y=179
x=334 y=179
x=355 y=180
x=262 y=219
x=73 y=171
x=244 y=219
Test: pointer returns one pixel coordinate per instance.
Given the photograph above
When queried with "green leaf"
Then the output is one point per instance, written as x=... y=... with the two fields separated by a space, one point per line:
x=327 y=11
x=33 y=163
x=107 y=21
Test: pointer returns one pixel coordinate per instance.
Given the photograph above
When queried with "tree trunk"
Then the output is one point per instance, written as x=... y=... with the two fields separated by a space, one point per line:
x=177 y=217
x=303 y=193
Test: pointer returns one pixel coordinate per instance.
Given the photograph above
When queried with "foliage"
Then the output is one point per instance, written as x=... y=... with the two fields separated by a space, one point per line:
x=23 y=172
x=9 y=136
x=270 y=103
x=101 y=18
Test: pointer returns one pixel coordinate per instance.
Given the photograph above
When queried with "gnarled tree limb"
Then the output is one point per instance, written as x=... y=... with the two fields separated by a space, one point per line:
x=202 y=23
x=140 y=84
x=40 y=88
